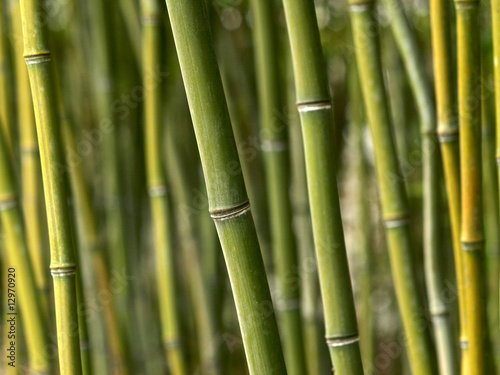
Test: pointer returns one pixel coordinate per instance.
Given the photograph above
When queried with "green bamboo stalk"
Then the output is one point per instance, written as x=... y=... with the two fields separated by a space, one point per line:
x=30 y=164
x=314 y=105
x=434 y=269
x=228 y=201
x=6 y=102
x=131 y=17
x=448 y=132
x=63 y=264
x=18 y=258
x=310 y=293
x=274 y=144
x=391 y=186
x=472 y=236
x=363 y=221
x=157 y=187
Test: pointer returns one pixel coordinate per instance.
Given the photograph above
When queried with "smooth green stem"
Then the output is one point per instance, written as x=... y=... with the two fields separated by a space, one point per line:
x=391 y=188
x=314 y=105
x=63 y=262
x=228 y=201
x=472 y=232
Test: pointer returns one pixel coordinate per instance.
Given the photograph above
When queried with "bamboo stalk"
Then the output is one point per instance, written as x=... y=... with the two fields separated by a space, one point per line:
x=391 y=187
x=6 y=102
x=314 y=105
x=472 y=236
x=434 y=270
x=157 y=187
x=228 y=201
x=274 y=144
x=448 y=133
x=18 y=258
x=63 y=264
x=30 y=164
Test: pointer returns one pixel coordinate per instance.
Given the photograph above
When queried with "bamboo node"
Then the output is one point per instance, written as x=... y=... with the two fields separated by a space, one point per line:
x=287 y=304
x=38 y=58
x=157 y=191
x=230 y=213
x=8 y=203
x=65 y=270
x=356 y=7
x=498 y=160
x=172 y=344
x=472 y=245
x=32 y=150
x=335 y=342
x=273 y=146
x=396 y=222
x=151 y=20
x=448 y=136
x=316 y=105
x=464 y=344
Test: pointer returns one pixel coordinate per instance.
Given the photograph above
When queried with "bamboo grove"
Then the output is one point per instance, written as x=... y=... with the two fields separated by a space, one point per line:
x=258 y=187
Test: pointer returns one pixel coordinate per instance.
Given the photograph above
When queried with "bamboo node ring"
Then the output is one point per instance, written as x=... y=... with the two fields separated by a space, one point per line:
x=472 y=245
x=317 y=105
x=335 y=342
x=498 y=160
x=8 y=203
x=230 y=213
x=60 y=271
x=273 y=146
x=31 y=150
x=157 y=191
x=38 y=58
x=464 y=344
x=172 y=344
x=286 y=305
x=397 y=222
x=447 y=137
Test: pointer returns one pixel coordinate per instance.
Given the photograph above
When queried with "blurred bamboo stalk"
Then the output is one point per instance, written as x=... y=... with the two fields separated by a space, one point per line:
x=17 y=257
x=472 y=232
x=391 y=186
x=315 y=109
x=157 y=188
x=434 y=266
x=63 y=264
x=32 y=196
x=6 y=73
x=228 y=201
x=448 y=133
x=274 y=144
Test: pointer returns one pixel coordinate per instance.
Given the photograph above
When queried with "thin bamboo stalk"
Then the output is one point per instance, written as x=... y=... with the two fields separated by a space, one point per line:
x=472 y=232
x=228 y=201
x=63 y=263
x=391 y=187
x=448 y=133
x=434 y=267
x=6 y=103
x=314 y=105
x=277 y=168
x=25 y=290
x=363 y=228
x=157 y=188
x=30 y=164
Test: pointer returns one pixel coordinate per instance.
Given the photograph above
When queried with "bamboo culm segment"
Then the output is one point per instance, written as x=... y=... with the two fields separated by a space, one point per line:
x=434 y=267
x=391 y=187
x=63 y=264
x=277 y=169
x=228 y=202
x=314 y=105
x=472 y=236
x=448 y=137
x=160 y=207
x=17 y=256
